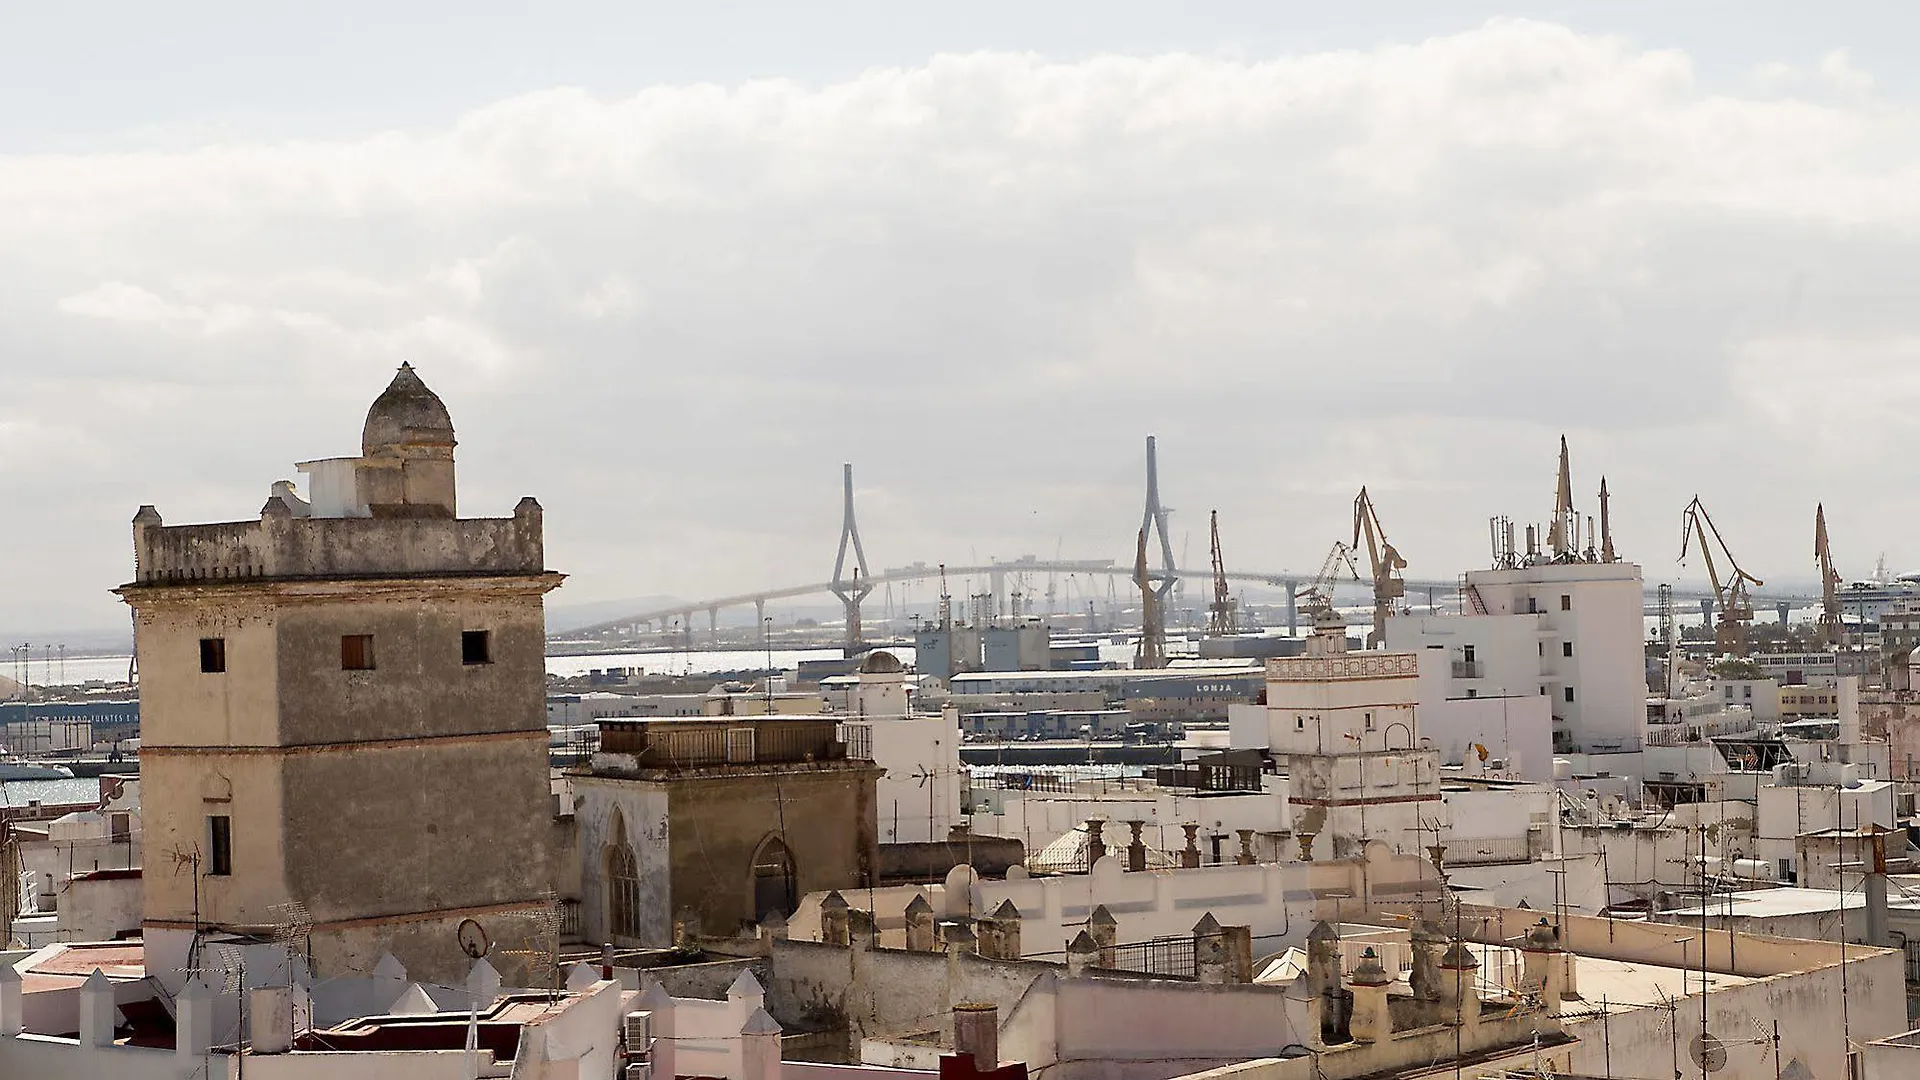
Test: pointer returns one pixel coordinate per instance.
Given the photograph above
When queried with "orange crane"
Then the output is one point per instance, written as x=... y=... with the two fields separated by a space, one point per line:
x=1386 y=562
x=1732 y=596
x=1832 y=629
x=1223 y=617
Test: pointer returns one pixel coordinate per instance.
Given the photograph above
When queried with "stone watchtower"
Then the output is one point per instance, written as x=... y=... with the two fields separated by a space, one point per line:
x=343 y=711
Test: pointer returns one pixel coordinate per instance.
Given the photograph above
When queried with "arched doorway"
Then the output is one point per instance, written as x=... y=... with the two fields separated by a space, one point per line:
x=773 y=880
x=623 y=882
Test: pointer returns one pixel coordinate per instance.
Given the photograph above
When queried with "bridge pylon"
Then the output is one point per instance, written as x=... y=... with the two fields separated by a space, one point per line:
x=851 y=591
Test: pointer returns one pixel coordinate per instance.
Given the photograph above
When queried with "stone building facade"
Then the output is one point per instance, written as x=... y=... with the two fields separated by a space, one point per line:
x=343 y=712
x=715 y=822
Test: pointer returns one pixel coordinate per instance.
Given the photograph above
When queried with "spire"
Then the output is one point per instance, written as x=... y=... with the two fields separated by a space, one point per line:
x=1607 y=553
x=1560 y=534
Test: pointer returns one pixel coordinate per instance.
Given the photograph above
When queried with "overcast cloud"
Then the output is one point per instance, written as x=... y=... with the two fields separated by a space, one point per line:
x=984 y=279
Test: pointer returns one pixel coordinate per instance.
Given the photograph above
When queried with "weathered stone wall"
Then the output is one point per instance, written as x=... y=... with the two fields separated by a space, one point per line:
x=419 y=687
x=643 y=814
x=278 y=546
x=717 y=823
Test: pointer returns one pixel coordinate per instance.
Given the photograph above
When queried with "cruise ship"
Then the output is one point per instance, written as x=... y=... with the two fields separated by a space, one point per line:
x=1865 y=601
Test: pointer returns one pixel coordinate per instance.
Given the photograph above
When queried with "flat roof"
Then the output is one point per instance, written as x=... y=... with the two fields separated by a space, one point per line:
x=1780 y=902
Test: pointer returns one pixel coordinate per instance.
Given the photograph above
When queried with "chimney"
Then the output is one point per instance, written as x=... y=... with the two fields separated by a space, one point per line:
x=1541 y=971
x=1006 y=931
x=270 y=1019
x=1210 y=965
x=976 y=1033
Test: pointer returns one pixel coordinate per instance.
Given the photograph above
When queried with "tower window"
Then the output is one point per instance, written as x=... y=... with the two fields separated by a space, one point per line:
x=213 y=654
x=1566 y=602
x=356 y=652
x=1566 y=648
x=219 y=845
x=476 y=647
x=1569 y=693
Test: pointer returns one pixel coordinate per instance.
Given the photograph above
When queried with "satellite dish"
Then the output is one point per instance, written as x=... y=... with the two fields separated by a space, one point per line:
x=474 y=941
x=1709 y=1053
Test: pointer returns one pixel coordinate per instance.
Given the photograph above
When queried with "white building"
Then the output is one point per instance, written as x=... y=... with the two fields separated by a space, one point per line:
x=1561 y=623
x=920 y=798
x=1356 y=769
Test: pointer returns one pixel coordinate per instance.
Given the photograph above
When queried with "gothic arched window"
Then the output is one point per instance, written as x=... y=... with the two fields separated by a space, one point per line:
x=623 y=882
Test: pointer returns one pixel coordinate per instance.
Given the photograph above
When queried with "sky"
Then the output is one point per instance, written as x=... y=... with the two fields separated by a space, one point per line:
x=671 y=265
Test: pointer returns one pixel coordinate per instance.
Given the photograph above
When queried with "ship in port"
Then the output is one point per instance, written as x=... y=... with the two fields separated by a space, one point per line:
x=13 y=768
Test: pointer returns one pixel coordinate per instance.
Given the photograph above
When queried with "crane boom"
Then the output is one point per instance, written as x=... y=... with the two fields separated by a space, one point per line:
x=1383 y=559
x=1831 y=628
x=1732 y=596
x=1223 y=612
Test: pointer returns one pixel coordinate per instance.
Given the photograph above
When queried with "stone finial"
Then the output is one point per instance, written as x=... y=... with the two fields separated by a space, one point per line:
x=1106 y=933
x=919 y=918
x=1459 y=958
x=483 y=982
x=193 y=1019
x=276 y=507
x=1190 y=854
x=1210 y=961
x=413 y=1001
x=1136 y=847
x=1245 y=858
x=834 y=928
x=761 y=1023
x=1096 y=844
x=1306 y=846
x=1082 y=953
x=760 y=1047
x=147 y=517
x=582 y=976
x=388 y=967
x=861 y=929
x=96 y=1010
x=745 y=986
x=1371 y=1020
x=961 y=940
x=13 y=1017
x=1369 y=971
x=773 y=927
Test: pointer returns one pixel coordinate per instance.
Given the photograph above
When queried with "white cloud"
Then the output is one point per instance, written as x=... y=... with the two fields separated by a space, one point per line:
x=672 y=315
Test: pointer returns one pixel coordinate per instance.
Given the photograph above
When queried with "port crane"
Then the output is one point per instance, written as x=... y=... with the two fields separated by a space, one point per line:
x=1732 y=596
x=1832 y=629
x=1152 y=650
x=1223 y=613
x=1318 y=597
x=1386 y=563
